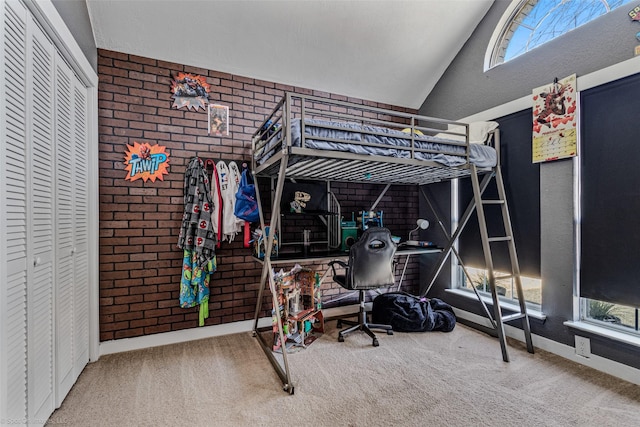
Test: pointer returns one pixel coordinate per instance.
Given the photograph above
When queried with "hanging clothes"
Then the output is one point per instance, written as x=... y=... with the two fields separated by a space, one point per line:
x=197 y=239
x=194 y=284
x=216 y=197
x=235 y=184
x=228 y=202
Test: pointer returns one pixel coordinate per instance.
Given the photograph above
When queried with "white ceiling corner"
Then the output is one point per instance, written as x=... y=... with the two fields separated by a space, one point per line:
x=390 y=51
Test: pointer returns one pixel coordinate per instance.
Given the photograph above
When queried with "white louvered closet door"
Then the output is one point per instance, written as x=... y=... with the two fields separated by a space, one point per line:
x=72 y=228
x=81 y=229
x=64 y=177
x=13 y=217
x=44 y=221
x=40 y=231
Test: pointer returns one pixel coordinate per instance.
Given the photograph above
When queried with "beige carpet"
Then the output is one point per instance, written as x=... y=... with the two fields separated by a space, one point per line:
x=422 y=379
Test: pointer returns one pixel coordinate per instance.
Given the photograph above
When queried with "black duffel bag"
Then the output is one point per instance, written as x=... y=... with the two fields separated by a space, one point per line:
x=409 y=313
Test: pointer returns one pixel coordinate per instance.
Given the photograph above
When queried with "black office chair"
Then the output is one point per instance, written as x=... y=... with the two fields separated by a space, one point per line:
x=370 y=267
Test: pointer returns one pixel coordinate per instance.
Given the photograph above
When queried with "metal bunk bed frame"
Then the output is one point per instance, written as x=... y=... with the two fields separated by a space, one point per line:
x=301 y=162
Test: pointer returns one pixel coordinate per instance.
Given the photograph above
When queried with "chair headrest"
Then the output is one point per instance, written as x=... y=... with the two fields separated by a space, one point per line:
x=371 y=259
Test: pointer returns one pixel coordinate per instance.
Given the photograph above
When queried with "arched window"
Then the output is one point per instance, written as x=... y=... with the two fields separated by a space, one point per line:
x=530 y=23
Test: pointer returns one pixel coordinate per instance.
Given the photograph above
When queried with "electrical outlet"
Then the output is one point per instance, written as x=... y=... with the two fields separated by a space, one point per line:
x=583 y=346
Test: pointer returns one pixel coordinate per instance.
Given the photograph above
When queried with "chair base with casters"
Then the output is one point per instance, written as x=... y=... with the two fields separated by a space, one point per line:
x=362 y=324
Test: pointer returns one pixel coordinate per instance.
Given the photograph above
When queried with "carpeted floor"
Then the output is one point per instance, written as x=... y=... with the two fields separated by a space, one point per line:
x=422 y=379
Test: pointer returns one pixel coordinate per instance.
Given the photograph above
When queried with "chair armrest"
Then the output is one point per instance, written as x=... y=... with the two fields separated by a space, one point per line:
x=340 y=263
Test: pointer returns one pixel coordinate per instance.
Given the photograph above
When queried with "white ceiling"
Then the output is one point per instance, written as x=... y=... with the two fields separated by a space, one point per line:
x=389 y=51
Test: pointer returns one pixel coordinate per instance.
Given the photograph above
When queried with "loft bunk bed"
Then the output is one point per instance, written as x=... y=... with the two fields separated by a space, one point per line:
x=306 y=137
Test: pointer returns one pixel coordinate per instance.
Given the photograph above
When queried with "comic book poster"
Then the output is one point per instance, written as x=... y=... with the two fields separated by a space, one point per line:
x=190 y=91
x=218 y=120
x=554 y=120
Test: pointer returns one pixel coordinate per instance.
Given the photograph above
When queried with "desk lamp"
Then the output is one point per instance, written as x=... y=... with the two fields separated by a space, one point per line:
x=422 y=224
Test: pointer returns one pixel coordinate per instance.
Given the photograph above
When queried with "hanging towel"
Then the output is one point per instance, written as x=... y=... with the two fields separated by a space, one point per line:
x=235 y=184
x=228 y=198
x=197 y=239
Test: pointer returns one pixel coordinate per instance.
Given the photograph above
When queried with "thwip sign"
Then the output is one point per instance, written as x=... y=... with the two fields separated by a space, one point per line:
x=145 y=162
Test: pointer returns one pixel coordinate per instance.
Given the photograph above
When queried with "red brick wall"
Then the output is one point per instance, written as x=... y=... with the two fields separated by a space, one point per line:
x=140 y=264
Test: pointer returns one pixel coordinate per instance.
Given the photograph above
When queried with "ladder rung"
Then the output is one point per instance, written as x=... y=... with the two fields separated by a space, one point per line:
x=513 y=317
x=500 y=239
x=493 y=202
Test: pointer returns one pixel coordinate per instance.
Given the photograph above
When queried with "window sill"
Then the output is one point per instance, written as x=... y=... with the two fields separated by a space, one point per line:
x=630 y=339
x=536 y=314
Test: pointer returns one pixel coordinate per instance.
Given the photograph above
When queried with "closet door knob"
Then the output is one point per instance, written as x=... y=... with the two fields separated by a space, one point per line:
x=36 y=261
x=73 y=251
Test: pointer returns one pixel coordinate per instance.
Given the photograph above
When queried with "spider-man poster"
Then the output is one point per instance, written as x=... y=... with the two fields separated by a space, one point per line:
x=145 y=162
x=554 y=120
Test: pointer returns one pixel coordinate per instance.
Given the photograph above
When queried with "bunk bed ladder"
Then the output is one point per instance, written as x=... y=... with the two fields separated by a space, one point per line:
x=480 y=204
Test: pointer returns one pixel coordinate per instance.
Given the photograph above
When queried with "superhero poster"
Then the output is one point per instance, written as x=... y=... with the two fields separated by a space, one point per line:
x=554 y=120
x=218 y=120
x=146 y=162
x=190 y=91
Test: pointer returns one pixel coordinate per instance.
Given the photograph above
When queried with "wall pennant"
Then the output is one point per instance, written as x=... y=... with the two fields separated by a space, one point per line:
x=190 y=91
x=145 y=162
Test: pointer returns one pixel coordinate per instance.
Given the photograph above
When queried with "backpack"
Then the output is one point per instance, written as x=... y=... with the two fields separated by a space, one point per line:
x=246 y=206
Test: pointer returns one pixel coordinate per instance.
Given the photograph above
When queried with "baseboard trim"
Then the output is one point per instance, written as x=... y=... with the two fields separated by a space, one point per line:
x=184 y=335
x=599 y=363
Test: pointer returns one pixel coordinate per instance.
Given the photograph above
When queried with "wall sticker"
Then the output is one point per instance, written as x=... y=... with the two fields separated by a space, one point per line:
x=145 y=162
x=190 y=91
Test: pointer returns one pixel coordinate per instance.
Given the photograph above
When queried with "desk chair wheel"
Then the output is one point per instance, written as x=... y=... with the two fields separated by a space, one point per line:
x=375 y=342
x=339 y=324
x=340 y=337
x=389 y=332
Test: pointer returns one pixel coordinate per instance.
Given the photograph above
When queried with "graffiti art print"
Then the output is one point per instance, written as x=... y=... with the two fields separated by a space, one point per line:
x=554 y=120
x=190 y=91
x=146 y=162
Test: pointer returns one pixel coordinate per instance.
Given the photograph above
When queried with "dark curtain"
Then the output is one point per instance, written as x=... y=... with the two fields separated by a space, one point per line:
x=522 y=185
x=610 y=192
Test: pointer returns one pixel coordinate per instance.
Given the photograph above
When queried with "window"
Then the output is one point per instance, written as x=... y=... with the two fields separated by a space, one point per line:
x=619 y=317
x=505 y=286
x=528 y=24
x=522 y=185
x=609 y=193
x=609 y=206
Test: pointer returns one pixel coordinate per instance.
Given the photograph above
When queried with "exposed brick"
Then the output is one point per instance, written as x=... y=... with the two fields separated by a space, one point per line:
x=140 y=263
x=157 y=329
x=128 y=333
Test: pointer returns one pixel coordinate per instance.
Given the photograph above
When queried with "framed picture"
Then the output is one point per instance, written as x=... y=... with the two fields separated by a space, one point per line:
x=218 y=120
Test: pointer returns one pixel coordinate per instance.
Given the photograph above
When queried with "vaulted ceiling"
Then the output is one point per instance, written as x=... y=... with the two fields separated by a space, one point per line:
x=390 y=51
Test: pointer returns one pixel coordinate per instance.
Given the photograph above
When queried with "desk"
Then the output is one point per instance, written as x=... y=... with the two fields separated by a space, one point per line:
x=413 y=250
x=326 y=256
